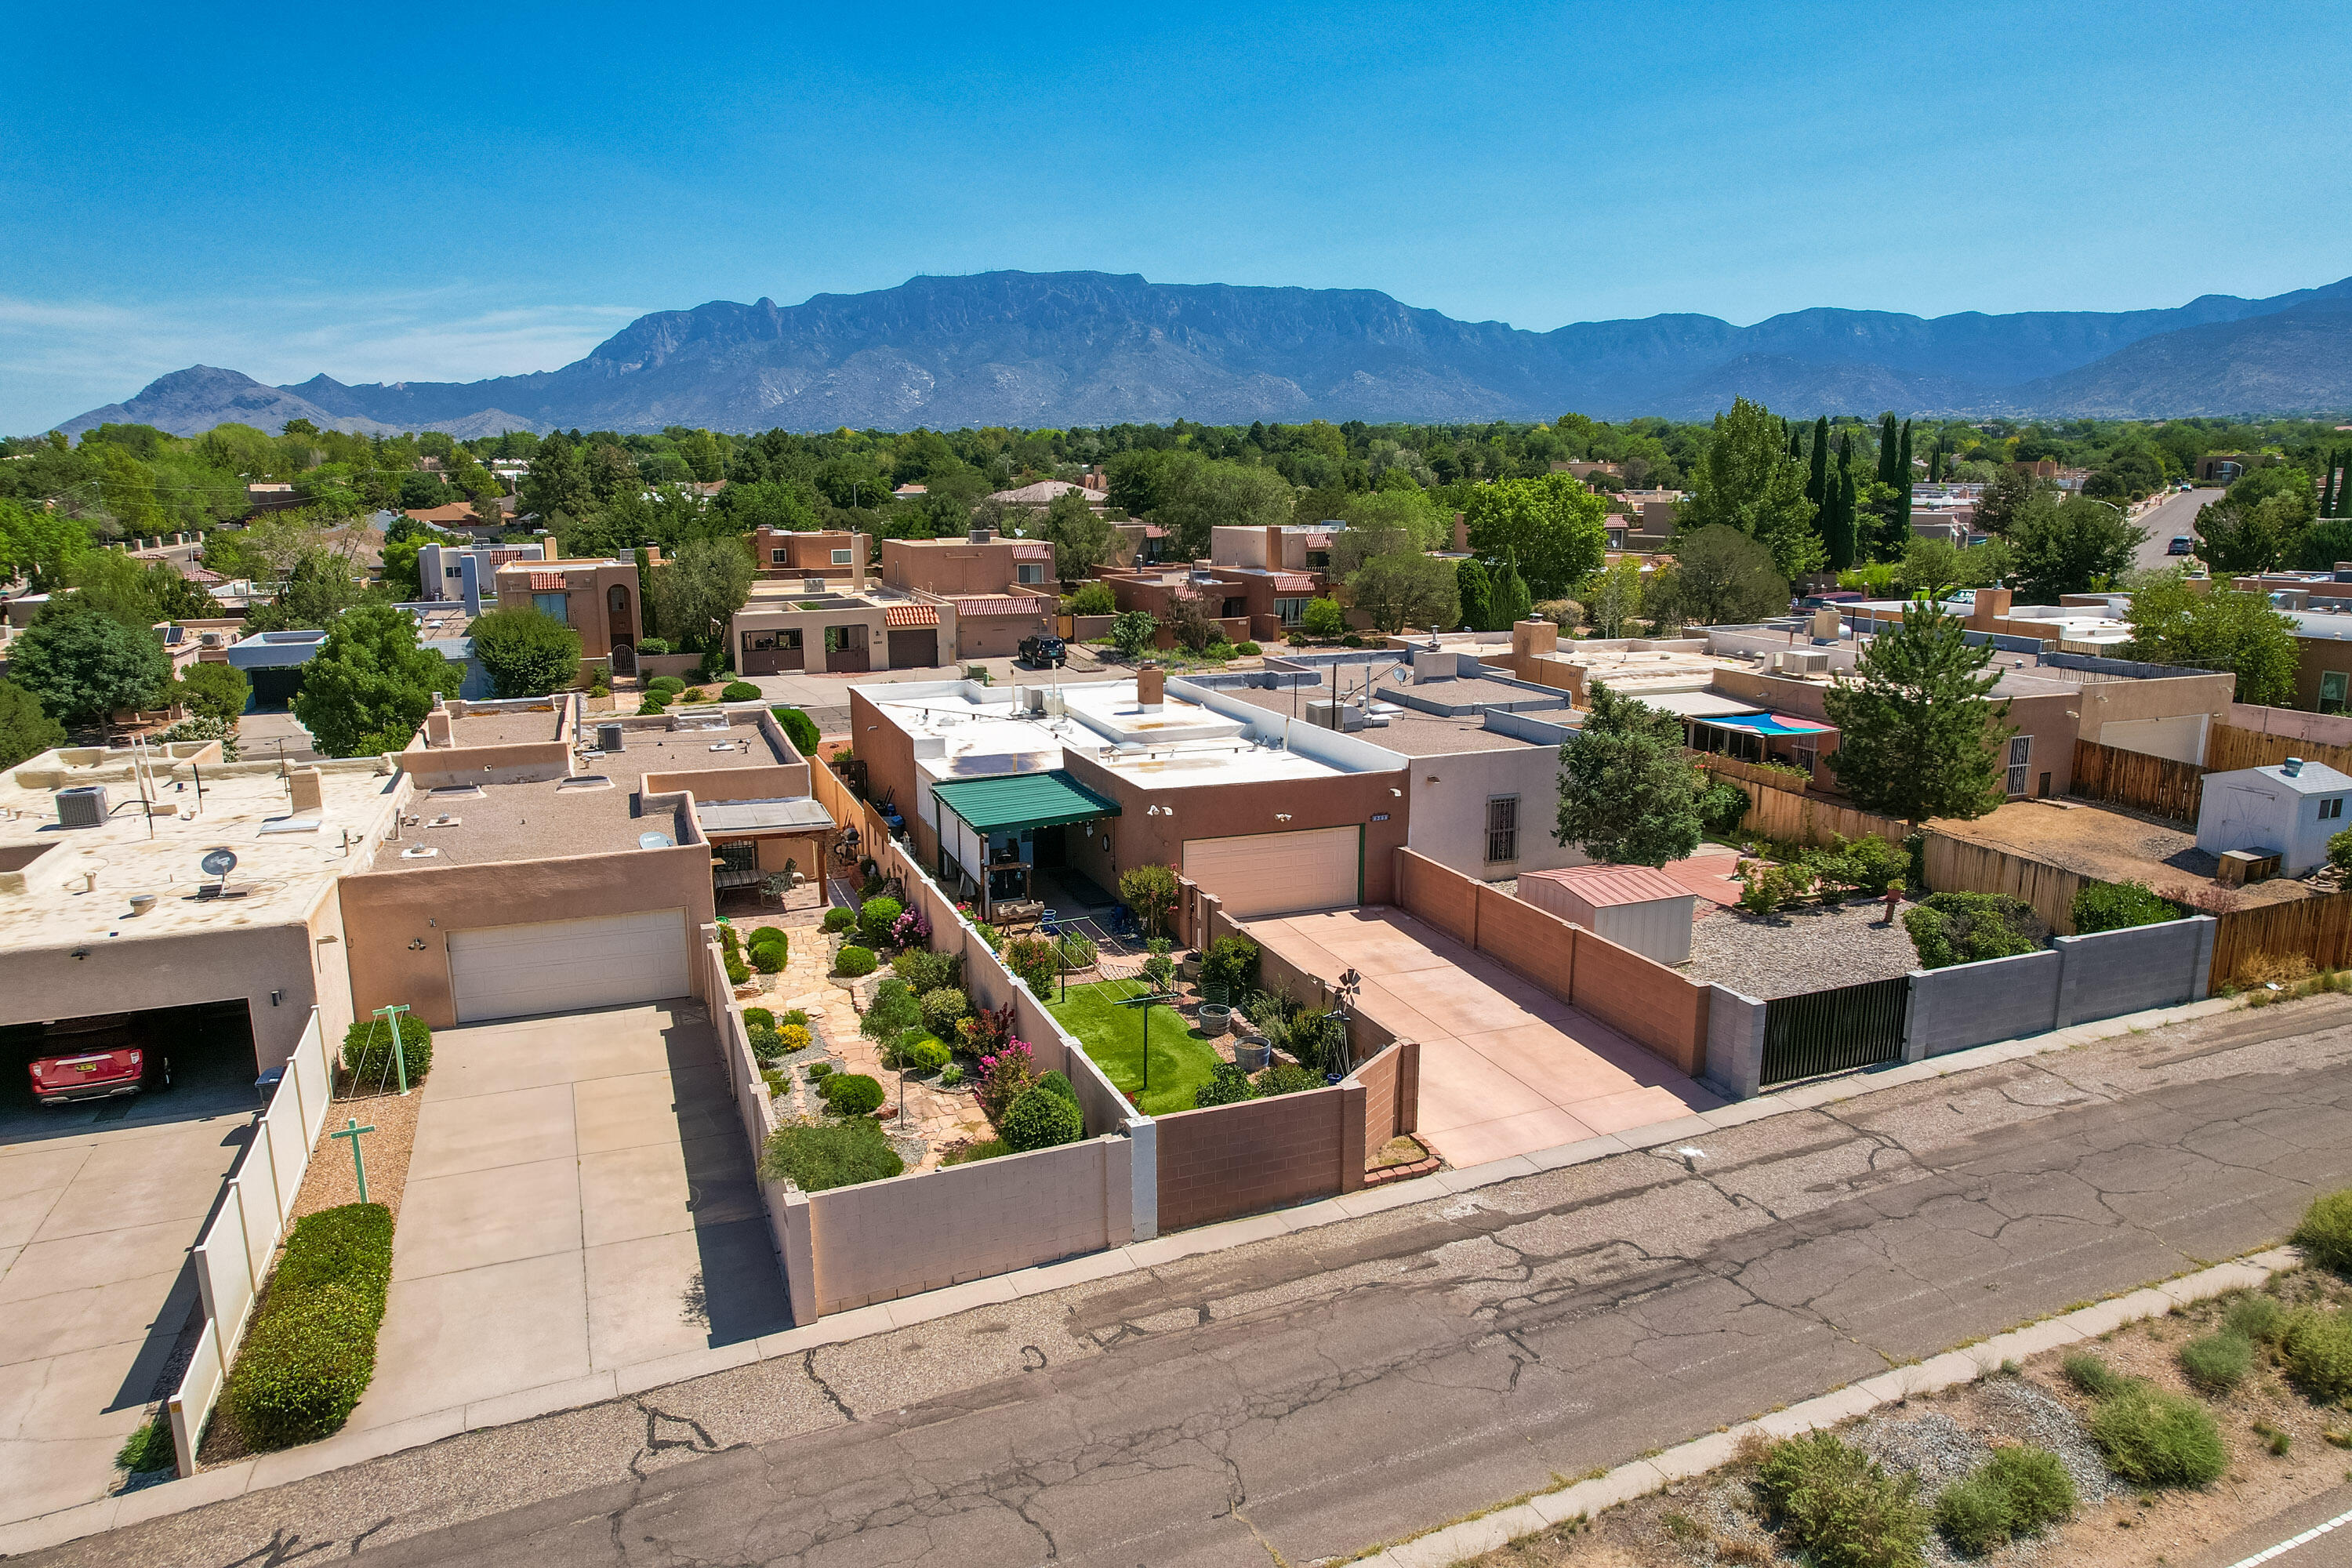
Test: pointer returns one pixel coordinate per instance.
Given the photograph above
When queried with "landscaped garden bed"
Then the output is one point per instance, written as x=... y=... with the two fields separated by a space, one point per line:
x=1181 y=1061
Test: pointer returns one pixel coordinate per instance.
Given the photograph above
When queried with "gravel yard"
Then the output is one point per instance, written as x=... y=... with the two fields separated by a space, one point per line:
x=1798 y=949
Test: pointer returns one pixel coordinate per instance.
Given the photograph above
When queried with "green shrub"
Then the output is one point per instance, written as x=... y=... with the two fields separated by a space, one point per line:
x=917 y=1054
x=875 y=918
x=738 y=692
x=2217 y=1363
x=798 y=728
x=950 y=1076
x=944 y=1007
x=766 y=933
x=926 y=972
x=149 y=1449
x=2262 y=1318
x=665 y=685
x=1248 y=650
x=1967 y=928
x=818 y=1072
x=1041 y=1119
x=1058 y=1083
x=854 y=961
x=838 y=920
x=986 y=1149
x=791 y=1037
x=757 y=1015
x=1094 y=599
x=1323 y=618
x=651 y=704
x=367 y=1050
x=796 y=1016
x=737 y=971
x=1078 y=952
x=2115 y=906
x=766 y=1044
x=1227 y=1085
x=1036 y=961
x=1836 y=1503
x=2017 y=1492
x=310 y=1350
x=692 y=694
x=2317 y=1349
x=768 y=957
x=2086 y=1372
x=819 y=1155
x=851 y=1093
x=1287 y=1078
x=729 y=938
x=1231 y=962
x=2158 y=1439
x=1868 y=863
x=1722 y=807
x=2326 y=1233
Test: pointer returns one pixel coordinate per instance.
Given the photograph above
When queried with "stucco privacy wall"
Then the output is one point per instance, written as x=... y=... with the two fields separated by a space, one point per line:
x=2076 y=980
x=1649 y=1004
x=758 y=1116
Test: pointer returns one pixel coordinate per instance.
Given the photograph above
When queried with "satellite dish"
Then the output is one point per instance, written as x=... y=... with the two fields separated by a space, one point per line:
x=218 y=862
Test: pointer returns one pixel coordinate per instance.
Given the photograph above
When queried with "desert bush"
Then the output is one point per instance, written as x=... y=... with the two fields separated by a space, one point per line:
x=757 y=1015
x=2217 y=1363
x=1041 y=1118
x=950 y=1076
x=665 y=685
x=738 y=692
x=818 y=1155
x=853 y=961
x=1058 y=1083
x=2262 y=1318
x=791 y=1037
x=875 y=918
x=851 y=1093
x=2158 y=1439
x=1248 y=650
x=1868 y=863
x=367 y=1050
x=1966 y=928
x=2316 y=1347
x=650 y=704
x=1227 y=1085
x=2017 y=1492
x=918 y=1053
x=2091 y=1374
x=838 y=920
x=766 y=933
x=2326 y=1233
x=310 y=1350
x=818 y=1072
x=944 y=1007
x=1287 y=1078
x=2117 y=906
x=1231 y=962
x=1036 y=961
x=1836 y=1503
x=766 y=1044
x=927 y=972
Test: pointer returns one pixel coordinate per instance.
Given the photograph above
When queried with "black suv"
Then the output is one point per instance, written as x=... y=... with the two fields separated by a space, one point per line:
x=1044 y=648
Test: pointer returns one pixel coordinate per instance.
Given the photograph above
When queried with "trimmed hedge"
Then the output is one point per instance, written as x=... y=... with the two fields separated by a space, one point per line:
x=853 y=961
x=310 y=1353
x=1042 y=1119
x=837 y=920
x=851 y=1093
x=738 y=692
x=368 y=1059
x=798 y=728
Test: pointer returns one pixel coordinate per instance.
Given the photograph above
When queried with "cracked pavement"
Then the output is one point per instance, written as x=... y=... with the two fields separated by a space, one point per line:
x=1308 y=1397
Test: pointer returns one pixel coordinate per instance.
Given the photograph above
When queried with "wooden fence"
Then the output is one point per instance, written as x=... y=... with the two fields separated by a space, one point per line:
x=1960 y=864
x=1778 y=778
x=2157 y=786
x=2227 y=747
x=2317 y=929
x=1774 y=811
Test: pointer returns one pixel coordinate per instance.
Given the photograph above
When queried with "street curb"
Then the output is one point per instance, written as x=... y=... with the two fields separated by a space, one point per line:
x=1455 y=1542
x=352 y=1447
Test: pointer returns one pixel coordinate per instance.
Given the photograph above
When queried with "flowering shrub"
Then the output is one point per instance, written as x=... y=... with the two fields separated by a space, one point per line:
x=1005 y=1077
x=910 y=930
x=987 y=1032
x=1036 y=961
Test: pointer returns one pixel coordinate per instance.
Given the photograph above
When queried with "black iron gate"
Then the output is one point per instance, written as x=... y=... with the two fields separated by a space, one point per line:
x=1833 y=1031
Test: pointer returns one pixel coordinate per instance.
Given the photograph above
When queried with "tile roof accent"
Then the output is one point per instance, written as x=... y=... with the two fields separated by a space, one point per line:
x=1033 y=551
x=1293 y=582
x=1602 y=886
x=1002 y=604
x=547 y=582
x=910 y=616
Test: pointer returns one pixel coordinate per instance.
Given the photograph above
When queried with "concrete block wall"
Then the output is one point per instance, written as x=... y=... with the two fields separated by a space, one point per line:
x=2115 y=971
x=1234 y=1160
x=1392 y=1083
x=2074 y=980
x=1734 y=1043
x=1976 y=1003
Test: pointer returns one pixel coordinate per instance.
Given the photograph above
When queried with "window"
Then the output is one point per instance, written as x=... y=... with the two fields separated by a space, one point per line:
x=2332 y=689
x=841 y=558
x=778 y=557
x=1030 y=572
x=552 y=606
x=1808 y=757
x=2331 y=808
x=1502 y=828
x=1318 y=560
x=1290 y=612
x=452 y=571
x=2021 y=753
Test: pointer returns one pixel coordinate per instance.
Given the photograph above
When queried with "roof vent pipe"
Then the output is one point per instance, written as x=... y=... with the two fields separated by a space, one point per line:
x=2292 y=767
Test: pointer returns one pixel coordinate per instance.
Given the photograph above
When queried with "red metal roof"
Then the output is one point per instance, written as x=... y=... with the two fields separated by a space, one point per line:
x=1601 y=886
x=1005 y=606
x=910 y=615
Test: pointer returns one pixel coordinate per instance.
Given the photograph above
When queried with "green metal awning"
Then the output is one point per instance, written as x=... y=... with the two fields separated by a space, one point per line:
x=1023 y=801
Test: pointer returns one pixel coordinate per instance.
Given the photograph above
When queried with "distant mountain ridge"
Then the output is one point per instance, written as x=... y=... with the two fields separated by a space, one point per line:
x=1062 y=349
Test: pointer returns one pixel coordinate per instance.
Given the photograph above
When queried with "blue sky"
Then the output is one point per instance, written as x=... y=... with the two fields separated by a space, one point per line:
x=383 y=195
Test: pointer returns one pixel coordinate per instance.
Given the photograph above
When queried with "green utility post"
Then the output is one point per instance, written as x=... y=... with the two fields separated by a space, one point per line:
x=390 y=1015
x=351 y=1130
x=1143 y=1005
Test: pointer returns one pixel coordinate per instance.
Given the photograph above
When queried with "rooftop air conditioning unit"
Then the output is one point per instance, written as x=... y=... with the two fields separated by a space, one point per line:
x=84 y=806
x=1335 y=716
x=609 y=738
x=1797 y=662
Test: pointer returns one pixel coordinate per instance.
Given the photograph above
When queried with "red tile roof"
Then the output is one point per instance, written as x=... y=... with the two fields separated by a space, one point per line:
x=1032 y=552
x=547 y=582
x=1003 y=604
x=910 y=615
x=1601 y=886
x=1293 y=582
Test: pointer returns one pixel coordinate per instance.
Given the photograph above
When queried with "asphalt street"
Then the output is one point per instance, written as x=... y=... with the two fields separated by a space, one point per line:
x=2173 y=516
x=1315 y=1394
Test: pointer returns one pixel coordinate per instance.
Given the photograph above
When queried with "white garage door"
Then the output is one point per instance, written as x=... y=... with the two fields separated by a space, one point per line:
x=508 y=972
x=1279 y=873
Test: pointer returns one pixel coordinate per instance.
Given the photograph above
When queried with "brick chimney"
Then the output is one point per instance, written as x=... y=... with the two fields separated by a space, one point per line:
x=1991 y=605
x=1274 y=547
x=1151 y=686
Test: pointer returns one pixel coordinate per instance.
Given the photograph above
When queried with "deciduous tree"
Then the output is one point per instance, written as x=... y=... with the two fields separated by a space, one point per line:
x=699 y=592
x=370 y=686
x=1553 y=527
x=2066 y=547
x=528 y=652
x=1721 y=577
x=1406 y=589
x=84 y=664
x=25 y=729
x=1747 y=481
x=2222 y=629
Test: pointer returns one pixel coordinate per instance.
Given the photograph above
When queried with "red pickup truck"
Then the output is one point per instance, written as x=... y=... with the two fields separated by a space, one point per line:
x=96 y=1063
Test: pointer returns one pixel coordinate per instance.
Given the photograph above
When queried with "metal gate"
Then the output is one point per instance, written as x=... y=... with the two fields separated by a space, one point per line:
x=1834 y=1031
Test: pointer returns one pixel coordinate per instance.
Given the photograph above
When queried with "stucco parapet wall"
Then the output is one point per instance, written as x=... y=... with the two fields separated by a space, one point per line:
x=285 y=859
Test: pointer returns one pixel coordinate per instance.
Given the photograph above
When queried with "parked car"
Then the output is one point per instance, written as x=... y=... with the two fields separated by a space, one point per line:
x=1044 y=648
x=2181 y=545
x=99 y=1074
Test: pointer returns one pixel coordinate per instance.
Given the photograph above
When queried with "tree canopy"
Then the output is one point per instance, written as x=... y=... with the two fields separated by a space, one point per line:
x=83 y=664
x=699 y=592
x=1721 y=577
x=1627 y=795
x=370 y=686
x=1751 y=482
x=1918 y=733
x=527 y=652
x=2222 y=629
x=1553 y=526
x=2070 y=546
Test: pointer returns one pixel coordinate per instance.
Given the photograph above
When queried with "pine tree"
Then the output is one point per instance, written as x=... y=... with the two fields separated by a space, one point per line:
x=1919 y=736
x=1817 y=487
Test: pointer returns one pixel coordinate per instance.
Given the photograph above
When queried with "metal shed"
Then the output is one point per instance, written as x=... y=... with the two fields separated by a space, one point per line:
x=1632 y=906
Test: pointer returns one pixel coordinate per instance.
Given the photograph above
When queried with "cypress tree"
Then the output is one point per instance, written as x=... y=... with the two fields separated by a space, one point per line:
x=1901 y=534
x=1886 y=474
x=1837 y=539
x=1817 y=487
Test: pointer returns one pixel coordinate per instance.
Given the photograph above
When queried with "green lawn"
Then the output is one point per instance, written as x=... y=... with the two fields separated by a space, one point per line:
x=1181 y=1061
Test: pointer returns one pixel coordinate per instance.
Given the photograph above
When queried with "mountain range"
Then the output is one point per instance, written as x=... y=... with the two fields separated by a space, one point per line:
x=1063 y=349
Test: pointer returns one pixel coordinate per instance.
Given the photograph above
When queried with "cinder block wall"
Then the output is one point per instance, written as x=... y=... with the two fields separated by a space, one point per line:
x=2117 y=972
x=1234 y=1160
x=1976 y=1003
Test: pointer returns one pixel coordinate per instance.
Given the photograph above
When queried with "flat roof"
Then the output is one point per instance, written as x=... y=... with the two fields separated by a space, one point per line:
x=743 y=743
x=283 y=865
x=476 y=825
x=506 y=727
x=1408 y=730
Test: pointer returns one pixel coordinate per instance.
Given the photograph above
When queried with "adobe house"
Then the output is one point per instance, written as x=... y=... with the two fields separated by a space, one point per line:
x=598 y=599
x=981 y=563
x=830 y=553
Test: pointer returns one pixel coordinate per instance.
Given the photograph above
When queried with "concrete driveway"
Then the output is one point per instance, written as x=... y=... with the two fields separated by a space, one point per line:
x=579 y=1199
x=99 y=1207
x=1506 y=1069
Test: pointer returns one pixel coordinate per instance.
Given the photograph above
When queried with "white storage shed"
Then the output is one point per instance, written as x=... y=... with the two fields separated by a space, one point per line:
x=1632 y=906
x=2291 y=810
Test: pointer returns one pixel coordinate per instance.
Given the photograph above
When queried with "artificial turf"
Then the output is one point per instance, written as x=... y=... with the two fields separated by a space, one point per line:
x=1181 y=1061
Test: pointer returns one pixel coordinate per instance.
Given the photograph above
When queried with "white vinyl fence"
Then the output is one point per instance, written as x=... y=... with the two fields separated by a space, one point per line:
x=233 y=1259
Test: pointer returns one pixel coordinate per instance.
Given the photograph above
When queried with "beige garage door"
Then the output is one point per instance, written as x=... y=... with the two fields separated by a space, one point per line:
x=510 y=972
x=1280 y=873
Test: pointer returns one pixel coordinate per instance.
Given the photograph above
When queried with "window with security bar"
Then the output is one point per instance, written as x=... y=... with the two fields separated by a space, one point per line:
x=1502 y=828
x=2021 y=756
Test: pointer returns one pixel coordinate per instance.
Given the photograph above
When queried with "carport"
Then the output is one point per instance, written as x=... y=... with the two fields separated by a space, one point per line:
x=1505 y=1067
x=101 y=1203
x=989 y=827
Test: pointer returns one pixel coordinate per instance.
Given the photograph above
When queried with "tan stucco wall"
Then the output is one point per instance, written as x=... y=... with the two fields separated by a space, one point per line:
x=1449 y=797
x=952 y=568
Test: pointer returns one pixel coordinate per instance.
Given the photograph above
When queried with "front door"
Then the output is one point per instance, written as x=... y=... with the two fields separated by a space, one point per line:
x=620 y=629
x=845 y=648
